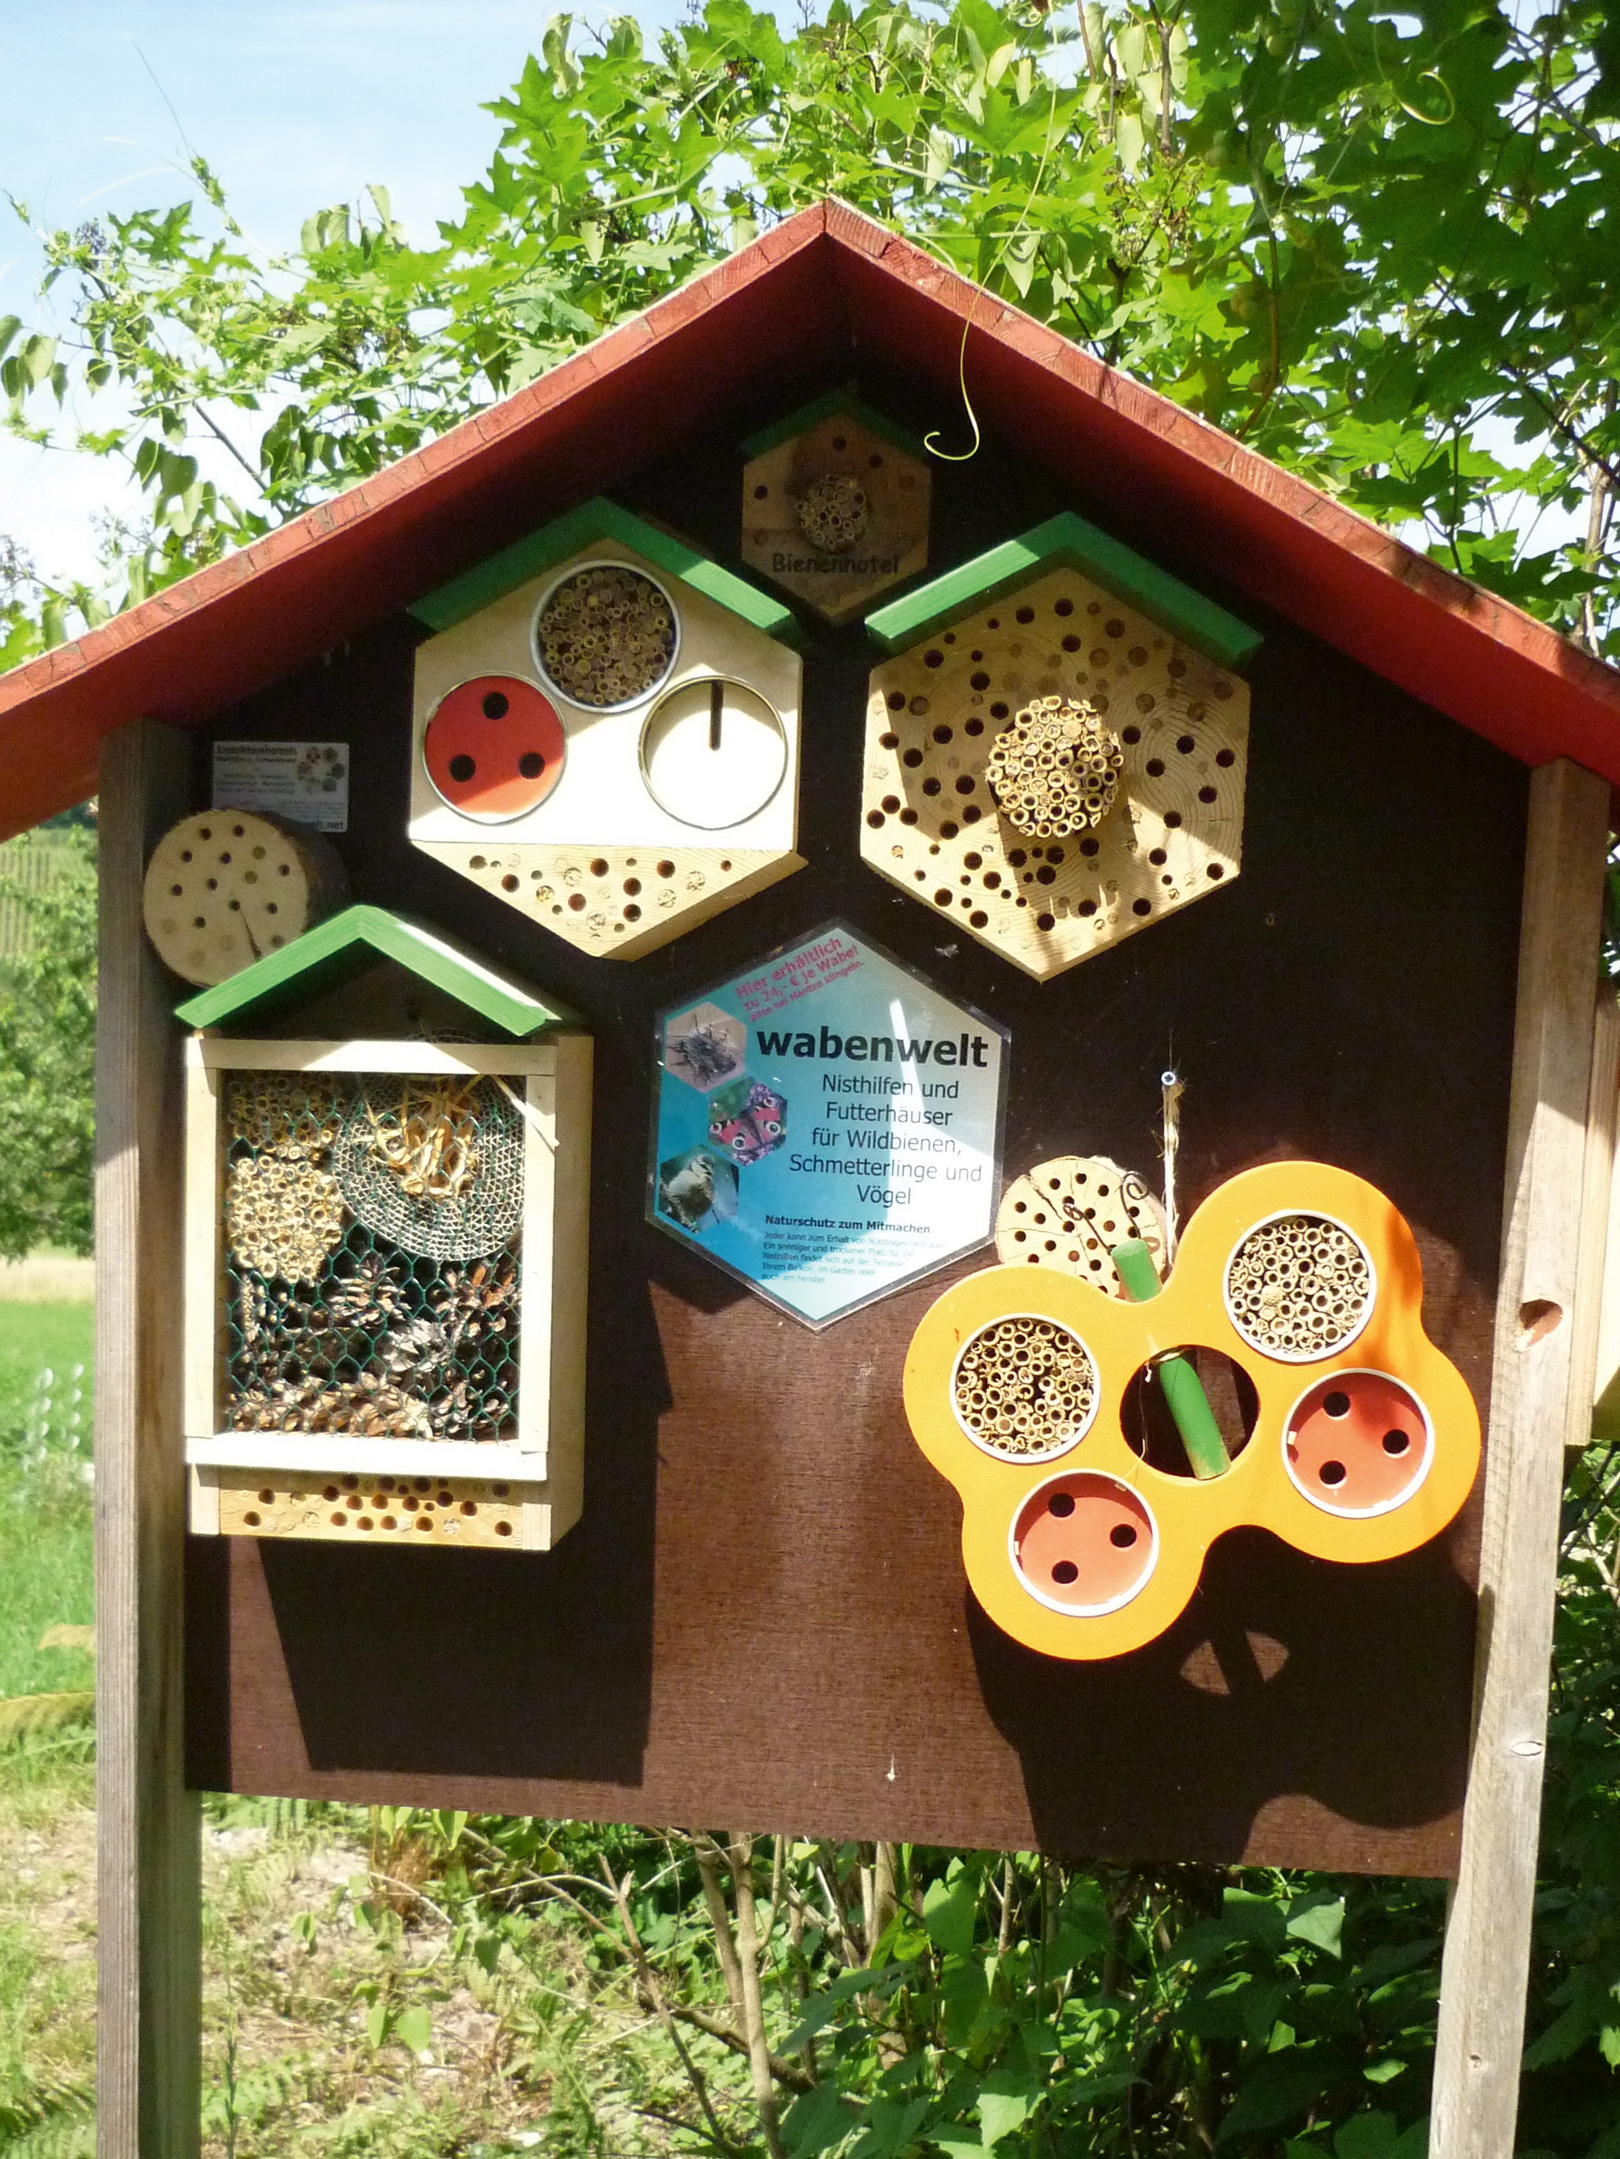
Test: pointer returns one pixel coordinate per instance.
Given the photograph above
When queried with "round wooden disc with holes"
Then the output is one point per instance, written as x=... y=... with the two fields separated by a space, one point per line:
x=1069 y=1213
x=227 y=886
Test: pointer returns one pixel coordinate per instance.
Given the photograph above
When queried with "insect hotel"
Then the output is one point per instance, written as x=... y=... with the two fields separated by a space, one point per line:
x=1099 y=1139
x=385 y=1259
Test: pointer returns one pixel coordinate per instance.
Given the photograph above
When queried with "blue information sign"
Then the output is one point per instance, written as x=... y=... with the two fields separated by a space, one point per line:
x=828 y=1125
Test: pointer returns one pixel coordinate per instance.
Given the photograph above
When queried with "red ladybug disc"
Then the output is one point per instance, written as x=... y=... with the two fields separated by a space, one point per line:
x=494 y=748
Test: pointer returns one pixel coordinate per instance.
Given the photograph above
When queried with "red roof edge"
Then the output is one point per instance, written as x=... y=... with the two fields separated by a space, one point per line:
x=229 y=629
x=1444 y=639
x=232 y=628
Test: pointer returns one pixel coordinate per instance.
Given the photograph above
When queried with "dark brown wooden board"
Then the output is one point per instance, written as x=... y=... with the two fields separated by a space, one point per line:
x=762 y=1618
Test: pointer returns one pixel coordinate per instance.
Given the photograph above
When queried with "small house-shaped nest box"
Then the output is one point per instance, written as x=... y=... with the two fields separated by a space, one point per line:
x=385 y=1255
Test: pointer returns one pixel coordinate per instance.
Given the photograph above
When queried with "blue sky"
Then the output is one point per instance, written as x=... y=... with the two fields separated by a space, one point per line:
x=295 y=105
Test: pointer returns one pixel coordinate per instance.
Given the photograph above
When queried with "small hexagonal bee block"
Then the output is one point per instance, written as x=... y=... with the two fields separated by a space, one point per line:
x=606 y=733
x=1057 y=768
x=835 y=506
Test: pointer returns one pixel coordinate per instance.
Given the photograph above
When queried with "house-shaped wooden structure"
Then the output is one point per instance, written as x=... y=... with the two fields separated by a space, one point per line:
x=1402 y=981
x=409 y=1219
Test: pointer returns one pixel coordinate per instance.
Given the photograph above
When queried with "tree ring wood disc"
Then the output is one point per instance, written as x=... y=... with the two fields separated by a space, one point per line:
x=226 y=886
x=1070 y=1212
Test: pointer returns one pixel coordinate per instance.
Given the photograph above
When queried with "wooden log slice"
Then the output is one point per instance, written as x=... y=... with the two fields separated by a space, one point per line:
x=226 y=886
x=1069 y=1213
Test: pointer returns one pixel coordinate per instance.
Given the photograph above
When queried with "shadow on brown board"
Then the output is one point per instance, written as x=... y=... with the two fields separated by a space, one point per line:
x=1286 y=1678
x=470 y=1664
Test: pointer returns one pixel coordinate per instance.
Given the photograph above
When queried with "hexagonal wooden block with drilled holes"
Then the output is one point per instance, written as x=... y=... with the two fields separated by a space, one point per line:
x=835 y=507
x=606 y=734
x=1119 y=754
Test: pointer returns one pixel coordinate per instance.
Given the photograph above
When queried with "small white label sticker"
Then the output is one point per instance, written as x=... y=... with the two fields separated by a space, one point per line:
x=307 y=782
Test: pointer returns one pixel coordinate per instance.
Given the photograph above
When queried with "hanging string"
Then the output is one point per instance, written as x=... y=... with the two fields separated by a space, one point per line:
x=931 y=440
x=1171 y=1086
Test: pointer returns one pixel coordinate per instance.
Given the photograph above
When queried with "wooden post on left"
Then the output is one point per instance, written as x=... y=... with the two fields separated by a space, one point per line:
x=147 y=1823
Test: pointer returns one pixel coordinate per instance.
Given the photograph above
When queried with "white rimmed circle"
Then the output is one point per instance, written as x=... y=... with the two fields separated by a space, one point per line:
x=1067 y=1607
x=1340 y=1341
x=1315 y=1494
x=713 y=752
x=566 y=576
x=1072 y=1436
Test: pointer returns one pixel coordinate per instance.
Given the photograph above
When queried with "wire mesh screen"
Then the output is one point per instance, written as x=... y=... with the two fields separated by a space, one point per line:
x=372 y=1239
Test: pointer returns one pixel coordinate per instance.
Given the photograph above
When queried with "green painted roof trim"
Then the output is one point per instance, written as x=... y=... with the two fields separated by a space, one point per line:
x=584 y=528
x=1067 y=539
x=346 y=944
x=824 y=408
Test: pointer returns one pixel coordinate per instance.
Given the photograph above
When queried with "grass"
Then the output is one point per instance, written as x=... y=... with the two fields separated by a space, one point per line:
x=45 y=1553
x=47 y=1793
x=356 y=2005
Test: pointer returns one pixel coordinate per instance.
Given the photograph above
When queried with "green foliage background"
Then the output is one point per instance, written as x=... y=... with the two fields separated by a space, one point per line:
x=1376 y=248
x=1379 y=249
x=47 y=1054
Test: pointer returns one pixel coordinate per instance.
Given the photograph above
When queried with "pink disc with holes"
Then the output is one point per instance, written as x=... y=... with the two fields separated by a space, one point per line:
x=1084 y=1542
x=1358 y=1443
x=494 y=747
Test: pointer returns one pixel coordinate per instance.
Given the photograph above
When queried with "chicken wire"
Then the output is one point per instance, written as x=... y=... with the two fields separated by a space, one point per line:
x=373 y=1267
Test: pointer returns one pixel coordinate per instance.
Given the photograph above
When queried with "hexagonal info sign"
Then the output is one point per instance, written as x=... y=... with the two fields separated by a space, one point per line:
x=828 y=1125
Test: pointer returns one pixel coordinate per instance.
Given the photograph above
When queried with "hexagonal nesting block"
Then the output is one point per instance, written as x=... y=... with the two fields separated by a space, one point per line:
x=835 y=506
x=1054 y=771
x=607 y=738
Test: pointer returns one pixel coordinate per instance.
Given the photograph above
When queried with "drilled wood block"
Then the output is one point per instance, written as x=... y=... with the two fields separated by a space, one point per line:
x=224 y=887
x=377 y=1510
x=1071 y=1212
x=836 y=514
x=1166 y=832
x=617 y=903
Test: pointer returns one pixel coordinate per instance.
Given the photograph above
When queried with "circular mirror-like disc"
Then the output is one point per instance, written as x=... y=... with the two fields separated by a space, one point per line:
x=494 y=748
x=713 y=753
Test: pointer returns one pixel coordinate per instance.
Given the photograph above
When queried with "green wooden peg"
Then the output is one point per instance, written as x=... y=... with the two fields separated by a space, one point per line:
x=1178 y=1378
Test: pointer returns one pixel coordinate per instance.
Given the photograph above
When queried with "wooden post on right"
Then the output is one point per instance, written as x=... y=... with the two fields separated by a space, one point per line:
x=1566 y=1039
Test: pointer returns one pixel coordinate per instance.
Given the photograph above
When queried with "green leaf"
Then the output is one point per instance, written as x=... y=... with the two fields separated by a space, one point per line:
x=816 y=2120
x=822 y=2008
x=1006 y=2099
x=413 y=2028
x=1366 y=2136
x=377 y=2023
x=1318 y=1919
x=38 y=357
x=949 y=1910
x=565 y=76
x=1278 y=2090
x=1250 y=1917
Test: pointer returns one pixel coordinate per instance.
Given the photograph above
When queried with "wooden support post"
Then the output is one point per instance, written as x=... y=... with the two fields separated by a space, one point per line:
x=1602 y=1123
x=1542 y=1333
x=149 y=1930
